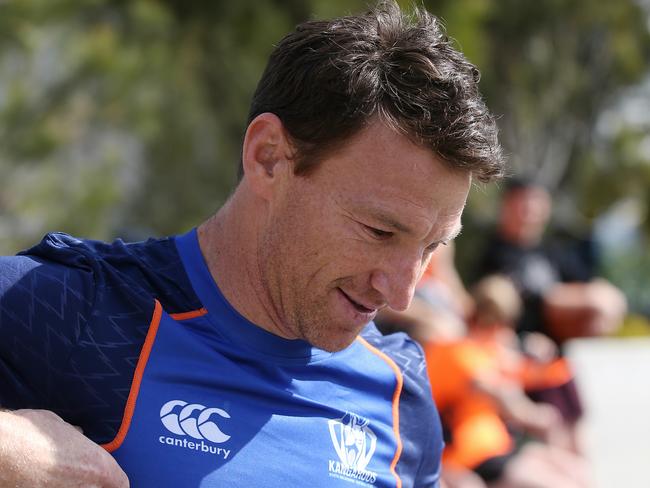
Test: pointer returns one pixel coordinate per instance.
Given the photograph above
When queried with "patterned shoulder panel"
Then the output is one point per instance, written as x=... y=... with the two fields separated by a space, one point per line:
x=420 y=430
x=152 y=268
x=80 y=311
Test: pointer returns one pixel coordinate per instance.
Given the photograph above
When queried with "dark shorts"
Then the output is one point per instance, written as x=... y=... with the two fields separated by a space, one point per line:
x=491 y=469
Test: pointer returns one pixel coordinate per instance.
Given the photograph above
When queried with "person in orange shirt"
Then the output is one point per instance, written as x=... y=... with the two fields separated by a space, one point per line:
x=479 y=386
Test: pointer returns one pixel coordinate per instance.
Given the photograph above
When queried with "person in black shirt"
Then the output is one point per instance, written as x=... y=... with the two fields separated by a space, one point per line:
x=558 y=301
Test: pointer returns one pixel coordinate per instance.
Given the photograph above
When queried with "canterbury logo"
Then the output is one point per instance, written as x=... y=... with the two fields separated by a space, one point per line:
x=194 y=420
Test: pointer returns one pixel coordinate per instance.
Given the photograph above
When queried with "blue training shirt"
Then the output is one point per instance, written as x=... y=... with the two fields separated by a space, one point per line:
x=136 y=344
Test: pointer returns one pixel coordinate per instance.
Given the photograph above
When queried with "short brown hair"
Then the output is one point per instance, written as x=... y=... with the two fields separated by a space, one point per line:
x=328 y=79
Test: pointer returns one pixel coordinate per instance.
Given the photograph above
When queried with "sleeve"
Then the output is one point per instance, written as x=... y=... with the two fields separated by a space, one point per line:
x=419 y=465
x=430 y=438
x=44 y=306
x=72 y=324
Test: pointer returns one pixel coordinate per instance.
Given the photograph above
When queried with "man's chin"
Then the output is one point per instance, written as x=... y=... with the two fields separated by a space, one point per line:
x=334 y=343
x=334 y=347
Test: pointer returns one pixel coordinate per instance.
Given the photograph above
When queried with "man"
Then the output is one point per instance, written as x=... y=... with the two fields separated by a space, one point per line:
x=561 y=299
x=242 y=353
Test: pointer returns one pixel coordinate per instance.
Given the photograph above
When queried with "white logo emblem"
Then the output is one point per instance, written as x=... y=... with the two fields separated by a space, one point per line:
x=354 y=443
x=187 y=422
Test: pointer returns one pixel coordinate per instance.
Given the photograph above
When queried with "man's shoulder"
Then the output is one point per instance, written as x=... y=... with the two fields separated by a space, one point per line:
x=408 y=356
x=150 y=269
x=419 y=423
x=404 y=351
x=74 y=314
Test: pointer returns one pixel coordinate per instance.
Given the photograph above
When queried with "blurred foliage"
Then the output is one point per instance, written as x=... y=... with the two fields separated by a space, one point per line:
x=566 y=78
x=125 y=117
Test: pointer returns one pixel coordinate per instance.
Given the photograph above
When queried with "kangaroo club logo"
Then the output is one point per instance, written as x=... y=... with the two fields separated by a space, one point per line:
x=197 y=422
x=354 y=443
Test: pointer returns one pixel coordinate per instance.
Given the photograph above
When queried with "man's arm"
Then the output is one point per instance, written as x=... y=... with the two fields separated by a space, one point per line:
x=43 y=304
x=37 y=449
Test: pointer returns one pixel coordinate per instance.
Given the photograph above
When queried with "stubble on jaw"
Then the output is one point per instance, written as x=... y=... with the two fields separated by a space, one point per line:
x=304 y=312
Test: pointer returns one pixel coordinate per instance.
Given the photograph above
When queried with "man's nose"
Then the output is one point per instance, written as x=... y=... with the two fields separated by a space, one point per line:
x=396 y=279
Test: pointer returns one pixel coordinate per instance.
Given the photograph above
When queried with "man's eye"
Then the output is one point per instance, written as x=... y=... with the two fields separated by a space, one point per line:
x=429 y=249
x=378 y=233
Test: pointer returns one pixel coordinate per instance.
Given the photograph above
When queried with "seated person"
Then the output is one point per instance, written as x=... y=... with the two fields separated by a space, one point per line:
x=479 y=386
x=561 y=298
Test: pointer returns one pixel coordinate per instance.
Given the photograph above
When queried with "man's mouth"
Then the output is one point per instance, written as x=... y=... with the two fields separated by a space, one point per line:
x=361 y=308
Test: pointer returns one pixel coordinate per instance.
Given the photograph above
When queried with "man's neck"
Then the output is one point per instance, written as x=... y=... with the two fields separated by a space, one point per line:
x=230 y=247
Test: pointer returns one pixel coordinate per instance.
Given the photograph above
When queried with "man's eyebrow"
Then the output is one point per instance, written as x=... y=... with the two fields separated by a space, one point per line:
x=389 y=221
x=454 y=234
x=393 y=224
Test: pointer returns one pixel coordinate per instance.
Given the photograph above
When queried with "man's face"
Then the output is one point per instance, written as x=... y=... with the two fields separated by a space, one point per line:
x=524 y=214
x=355 y=235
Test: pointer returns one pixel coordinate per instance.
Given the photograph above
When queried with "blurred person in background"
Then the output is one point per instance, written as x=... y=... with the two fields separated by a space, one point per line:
x=242 y=353
x=561 y=299
x=479 y=384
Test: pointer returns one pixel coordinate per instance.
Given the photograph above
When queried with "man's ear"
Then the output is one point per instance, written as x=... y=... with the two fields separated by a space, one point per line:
x=266 y=153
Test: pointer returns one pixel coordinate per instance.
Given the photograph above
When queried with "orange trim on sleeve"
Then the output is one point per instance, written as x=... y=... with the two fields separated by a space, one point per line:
x=189 y=315
x=137 y=379
x=396 y=396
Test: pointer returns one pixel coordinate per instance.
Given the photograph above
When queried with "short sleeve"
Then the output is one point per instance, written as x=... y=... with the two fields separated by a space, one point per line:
x=44 y=306
x=420 y=430
x=74 y=314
